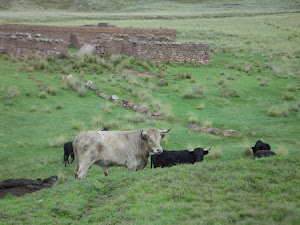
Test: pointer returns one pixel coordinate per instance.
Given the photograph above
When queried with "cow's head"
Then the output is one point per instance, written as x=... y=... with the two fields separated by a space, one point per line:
x=199 y=153
x=152 y=138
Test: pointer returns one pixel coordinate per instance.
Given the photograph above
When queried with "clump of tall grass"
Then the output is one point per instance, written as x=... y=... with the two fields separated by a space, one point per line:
x=48 y=110
x=58 y=107
x=77 y=85
x=33 y=108
x=134 y=118
x=42 y=95
x=192 y=118
x=111 y=125
x=282 y=151
x=123 y=65
x=207 y=123
x=142 y=95
x=227 y=91
x=107 y=107
x=181 y=76
x=279 y=111
x=214 y=153
x=162 y=82
x=97 y=122
x=194 y=92
x=13 y=92
x=146 y=65
x=291 y=88
x=57 y=142
x=51 y=91
x=247 y=150
x=201 y=106
x=289 y=96
x=78 y=125
x=167 y=113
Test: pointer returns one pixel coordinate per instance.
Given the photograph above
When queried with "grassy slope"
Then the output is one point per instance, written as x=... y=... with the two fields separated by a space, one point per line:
x=241 y=191
x=233 y=189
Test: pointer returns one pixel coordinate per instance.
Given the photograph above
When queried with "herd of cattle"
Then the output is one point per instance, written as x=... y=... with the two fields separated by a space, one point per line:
x=132 y=149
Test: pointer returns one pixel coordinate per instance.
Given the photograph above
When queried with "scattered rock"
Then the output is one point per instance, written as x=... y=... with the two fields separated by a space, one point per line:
x=114 y=98
x=216 y=131
x=226 y=134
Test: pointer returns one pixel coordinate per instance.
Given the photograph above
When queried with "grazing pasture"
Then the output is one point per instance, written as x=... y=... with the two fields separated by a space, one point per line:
x=251 y=84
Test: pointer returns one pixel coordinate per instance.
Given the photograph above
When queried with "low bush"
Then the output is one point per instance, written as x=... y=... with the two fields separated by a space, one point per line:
x=192 y=118
x=77 y=85
x=291 y=88
x=13 y=92
x=228 y=92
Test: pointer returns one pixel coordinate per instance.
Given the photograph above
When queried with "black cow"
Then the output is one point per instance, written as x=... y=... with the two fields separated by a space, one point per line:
x=68 y=149
x=171 y=158
x=260 y=146
x=264 y=153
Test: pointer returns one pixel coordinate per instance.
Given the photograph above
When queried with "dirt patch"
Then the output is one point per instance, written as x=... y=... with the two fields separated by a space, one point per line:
x=22 y=186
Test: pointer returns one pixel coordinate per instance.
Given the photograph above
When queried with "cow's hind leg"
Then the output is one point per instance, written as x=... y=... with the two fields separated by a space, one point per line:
x=83 y=169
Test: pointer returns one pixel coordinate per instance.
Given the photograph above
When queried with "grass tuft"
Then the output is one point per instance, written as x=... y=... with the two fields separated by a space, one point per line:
x=195 y=92
x=57 y=142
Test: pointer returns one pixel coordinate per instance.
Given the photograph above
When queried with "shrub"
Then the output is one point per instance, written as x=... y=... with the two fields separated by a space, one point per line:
x=195 y=92
x=42 y=94
x=179 y=76
x=279 y=111
x=57 y=142
x=13 y=92
x=289 y=96
x=162 y=82
x=28 y=93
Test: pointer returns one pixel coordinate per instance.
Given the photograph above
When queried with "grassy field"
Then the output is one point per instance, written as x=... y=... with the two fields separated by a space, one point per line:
x=252 y=43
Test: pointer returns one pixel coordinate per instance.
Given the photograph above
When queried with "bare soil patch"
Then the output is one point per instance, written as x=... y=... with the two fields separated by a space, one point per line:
x=22 y=186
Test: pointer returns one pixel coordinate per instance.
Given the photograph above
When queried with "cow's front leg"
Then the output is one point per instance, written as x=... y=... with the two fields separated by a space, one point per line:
x=105 y=169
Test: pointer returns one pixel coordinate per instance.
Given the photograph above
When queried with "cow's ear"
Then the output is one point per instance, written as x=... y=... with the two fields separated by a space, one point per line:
x=162 y=136
x=144 y=135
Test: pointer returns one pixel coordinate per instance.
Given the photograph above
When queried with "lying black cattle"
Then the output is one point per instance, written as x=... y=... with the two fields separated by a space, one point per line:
x=68 y=149
x=264 y=153
x=171 y=158
x=260 y=146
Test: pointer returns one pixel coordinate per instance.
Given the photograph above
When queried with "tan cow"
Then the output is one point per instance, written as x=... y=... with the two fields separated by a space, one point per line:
x=130 y=149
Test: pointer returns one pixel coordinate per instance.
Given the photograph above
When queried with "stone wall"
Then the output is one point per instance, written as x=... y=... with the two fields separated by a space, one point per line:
x=23 y=44
x=158 y=45
x=77 y=36
x=157 y=51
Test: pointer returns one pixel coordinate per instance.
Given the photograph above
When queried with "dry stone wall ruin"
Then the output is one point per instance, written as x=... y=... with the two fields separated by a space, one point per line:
x=158 y=45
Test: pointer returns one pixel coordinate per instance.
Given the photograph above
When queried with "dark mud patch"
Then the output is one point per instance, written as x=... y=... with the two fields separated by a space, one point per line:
x=22 y=186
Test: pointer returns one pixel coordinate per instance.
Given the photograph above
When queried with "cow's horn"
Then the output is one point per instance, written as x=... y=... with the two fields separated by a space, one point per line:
x=165 y=131
x=207 y=149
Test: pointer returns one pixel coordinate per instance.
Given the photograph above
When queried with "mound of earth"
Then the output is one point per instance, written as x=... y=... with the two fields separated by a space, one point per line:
x=22 y=186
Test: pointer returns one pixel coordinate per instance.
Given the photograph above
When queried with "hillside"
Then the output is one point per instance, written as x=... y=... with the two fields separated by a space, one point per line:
x=252 y=83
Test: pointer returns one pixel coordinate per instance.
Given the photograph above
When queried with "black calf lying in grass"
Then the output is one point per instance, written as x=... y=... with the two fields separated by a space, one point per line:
x=264 y=153
x=68 y=149
x=171 y=158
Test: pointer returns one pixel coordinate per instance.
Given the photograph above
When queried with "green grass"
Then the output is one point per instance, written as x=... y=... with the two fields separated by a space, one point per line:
x=250 y=40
